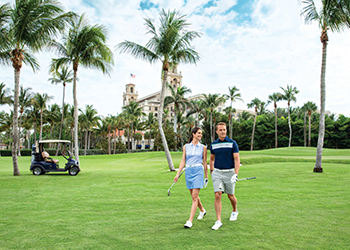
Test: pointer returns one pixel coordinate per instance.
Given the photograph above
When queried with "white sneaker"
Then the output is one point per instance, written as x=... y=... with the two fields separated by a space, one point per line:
x=188 y=224
x=234 y=216
x=201 y=215
x=217 y=225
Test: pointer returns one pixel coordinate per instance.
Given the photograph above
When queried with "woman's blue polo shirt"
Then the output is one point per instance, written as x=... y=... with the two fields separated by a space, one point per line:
x=223 y=151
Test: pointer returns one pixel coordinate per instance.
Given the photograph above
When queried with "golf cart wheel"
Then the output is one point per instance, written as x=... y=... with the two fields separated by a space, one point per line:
x=73 y=171
x=37 y=171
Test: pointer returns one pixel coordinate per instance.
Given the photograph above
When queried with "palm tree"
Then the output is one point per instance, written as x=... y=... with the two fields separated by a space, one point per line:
x=211 y=102
x=229 y=110
x=170 y=45
x=134 y=111
x=5 y=97
x=233 y=96
x=149 y=123
x=64 y=76
x=275 y=97
x=310 y=107
x=40 y=102
x=255 y=103
x=83 y=45
x=30 y=27
x=289 y=95
x=334 y=16
x=24 y=102
x=196 y=107
x=89 y=119
x=178 y=98
x=5 y=12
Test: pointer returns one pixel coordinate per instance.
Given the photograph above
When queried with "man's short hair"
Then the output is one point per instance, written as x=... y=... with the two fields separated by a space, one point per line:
x=220 y=124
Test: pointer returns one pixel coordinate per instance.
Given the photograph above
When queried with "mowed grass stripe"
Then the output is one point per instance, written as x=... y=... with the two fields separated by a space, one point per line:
x=121 y=201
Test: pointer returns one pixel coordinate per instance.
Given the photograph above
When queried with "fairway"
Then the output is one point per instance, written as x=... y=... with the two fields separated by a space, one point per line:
x=121 y=202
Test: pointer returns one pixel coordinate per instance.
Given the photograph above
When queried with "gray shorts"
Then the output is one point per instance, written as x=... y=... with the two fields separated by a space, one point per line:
x=222 y=181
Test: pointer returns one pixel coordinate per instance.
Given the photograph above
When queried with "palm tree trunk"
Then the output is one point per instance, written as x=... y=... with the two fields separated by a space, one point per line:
x=160 y=116
x=61 y=126
x=175 y=127
x=290 y=127
x=276 y=132
x=128 y=139
x=15 y=123
x=318 y=164
x=76 y=139
x=310 y=130
x=149 y=139
x=252 y=141
x=230 y=121
x=109 y=141
x=211 y=126
x=115 y=140
x=86 y=136
x=41 y=126
x=304 y=129
x=19 y=134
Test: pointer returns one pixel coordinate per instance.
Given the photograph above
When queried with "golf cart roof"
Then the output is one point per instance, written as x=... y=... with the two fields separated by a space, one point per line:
x=54 y=141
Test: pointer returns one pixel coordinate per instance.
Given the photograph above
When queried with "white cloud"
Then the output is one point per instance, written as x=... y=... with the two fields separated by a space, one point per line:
x=274 y=49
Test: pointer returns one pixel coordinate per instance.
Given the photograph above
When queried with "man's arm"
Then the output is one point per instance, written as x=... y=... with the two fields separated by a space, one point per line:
x=211 y=162
x=237 y=162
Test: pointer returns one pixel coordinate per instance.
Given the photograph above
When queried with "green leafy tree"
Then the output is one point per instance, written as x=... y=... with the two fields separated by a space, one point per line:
x=196 y=107
x=310 y=107
x=24 y=102
x=31 y=25
x=289 y=95
x=233 y=96
x=275 y=97
x=40 y=101
x=5 y=97
x=211 y=102
x=178 y=98
x=149 y=123
x=334 y=16
x=171 y=44
x=255 y=103
x=83 y=45
x=63 y=76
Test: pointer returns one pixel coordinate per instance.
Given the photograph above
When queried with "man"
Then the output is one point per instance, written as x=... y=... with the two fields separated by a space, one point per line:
x=224 y=168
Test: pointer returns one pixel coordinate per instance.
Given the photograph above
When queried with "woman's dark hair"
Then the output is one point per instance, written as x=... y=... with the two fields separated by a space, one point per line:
x=194 y=131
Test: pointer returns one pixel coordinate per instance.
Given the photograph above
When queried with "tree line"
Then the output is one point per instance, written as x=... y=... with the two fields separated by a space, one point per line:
x=30 y=26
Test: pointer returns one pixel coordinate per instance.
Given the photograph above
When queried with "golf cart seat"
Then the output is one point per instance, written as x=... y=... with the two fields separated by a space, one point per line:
x=47 y=158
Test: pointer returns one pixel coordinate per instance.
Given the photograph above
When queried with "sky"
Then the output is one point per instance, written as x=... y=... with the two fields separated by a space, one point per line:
x=256 y=45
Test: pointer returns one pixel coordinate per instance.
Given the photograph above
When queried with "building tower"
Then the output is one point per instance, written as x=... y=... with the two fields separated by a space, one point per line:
x=130 y=94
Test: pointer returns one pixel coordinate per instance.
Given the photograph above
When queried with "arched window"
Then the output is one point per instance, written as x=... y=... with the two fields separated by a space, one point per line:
x=131 y=90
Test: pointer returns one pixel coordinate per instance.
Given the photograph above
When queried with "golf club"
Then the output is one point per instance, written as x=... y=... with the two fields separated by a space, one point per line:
x=174 y=182
x=249 y=178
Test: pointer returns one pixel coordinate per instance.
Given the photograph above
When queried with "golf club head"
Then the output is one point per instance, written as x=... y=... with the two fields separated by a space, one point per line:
x=168 y=192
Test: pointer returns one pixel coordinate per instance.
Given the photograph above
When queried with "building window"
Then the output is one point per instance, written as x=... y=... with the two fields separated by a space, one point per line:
x=156 y=108
x=131 y=90
x=219 y=109
x=150 y=108
x=155 y=114
x=172 y=109
x=171 y=114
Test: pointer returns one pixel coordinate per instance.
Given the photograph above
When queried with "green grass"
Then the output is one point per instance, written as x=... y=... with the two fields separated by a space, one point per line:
x=121 y=202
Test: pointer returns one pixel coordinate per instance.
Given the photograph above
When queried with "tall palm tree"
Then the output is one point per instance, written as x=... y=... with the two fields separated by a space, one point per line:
x=30 y=27
x=233 y=96
x=310 y=107
x=83 y=45
x=171 y=44
x=275 y=97
x=211 y=102
x=64 y=76
x=289 y=95
x=333 y=15
x=24 y=102
x=88 y=119
x=229 y=110
x=134 y=111
x=178 y=98
x=255 y=103
x=40 y=101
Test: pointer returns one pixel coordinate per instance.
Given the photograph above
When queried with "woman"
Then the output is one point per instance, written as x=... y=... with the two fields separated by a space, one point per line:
x=195 y=157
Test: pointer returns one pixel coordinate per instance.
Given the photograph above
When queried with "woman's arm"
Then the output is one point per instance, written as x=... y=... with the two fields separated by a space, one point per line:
x=205 y=164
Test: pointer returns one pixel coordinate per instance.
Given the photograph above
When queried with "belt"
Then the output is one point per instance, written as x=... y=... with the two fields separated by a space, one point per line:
x=195 y=165
x=224 y=170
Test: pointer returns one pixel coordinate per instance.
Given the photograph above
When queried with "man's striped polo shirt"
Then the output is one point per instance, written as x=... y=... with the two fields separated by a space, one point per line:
x=223 y=151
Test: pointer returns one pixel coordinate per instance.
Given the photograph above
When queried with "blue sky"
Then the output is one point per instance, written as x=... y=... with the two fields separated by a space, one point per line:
x=255 y=45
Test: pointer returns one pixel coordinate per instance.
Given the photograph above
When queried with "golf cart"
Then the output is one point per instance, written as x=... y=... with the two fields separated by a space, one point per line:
x=41 y=162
